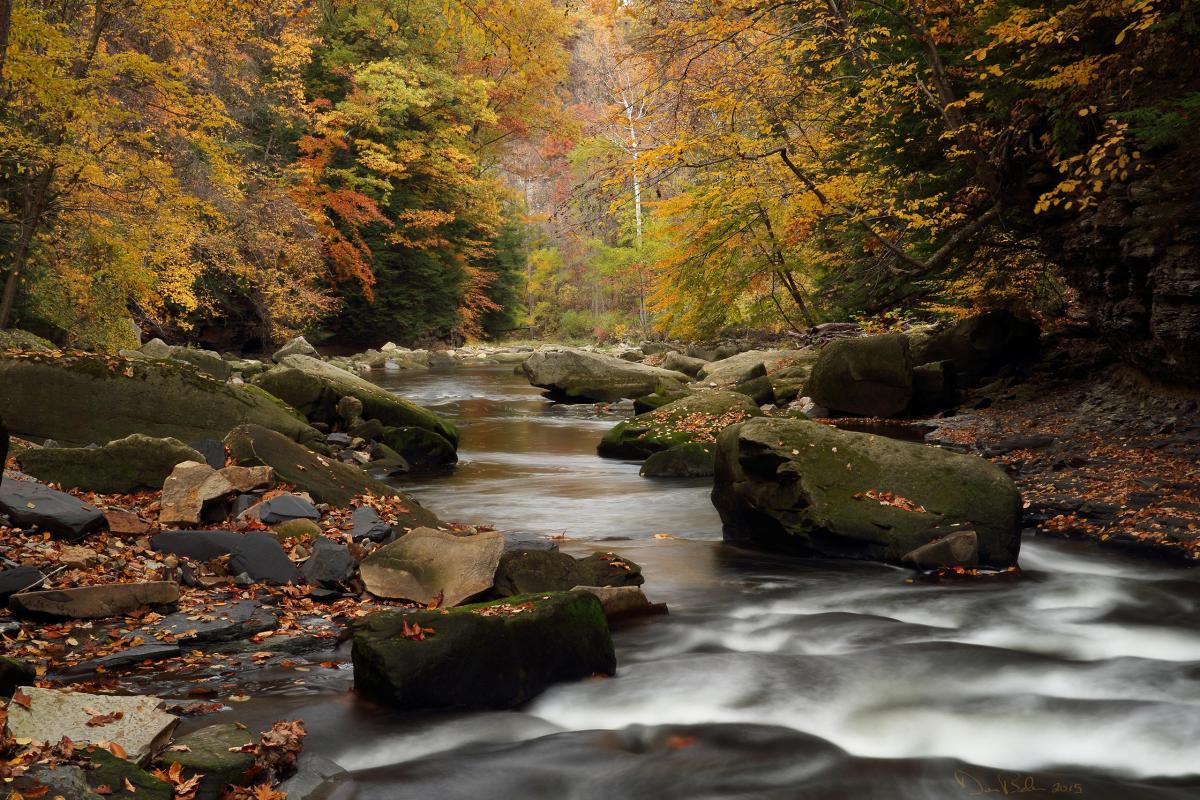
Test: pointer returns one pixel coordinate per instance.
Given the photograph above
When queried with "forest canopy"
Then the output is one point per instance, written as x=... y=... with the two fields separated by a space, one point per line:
x=236 y=171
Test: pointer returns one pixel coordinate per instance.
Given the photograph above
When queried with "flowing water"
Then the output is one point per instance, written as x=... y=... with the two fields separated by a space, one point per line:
x=776 y=677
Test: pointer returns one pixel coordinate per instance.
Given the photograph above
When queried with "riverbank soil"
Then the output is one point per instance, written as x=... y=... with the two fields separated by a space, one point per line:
x=1099 y=452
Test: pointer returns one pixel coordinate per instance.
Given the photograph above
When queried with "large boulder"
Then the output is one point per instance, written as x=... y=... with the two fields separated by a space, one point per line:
x=579 y=376
x=132 y=464
x=327 y=480
x=698 y=417
x=493 y=655
x=419 y=447
x=138 y=724
x=980 y=345
x=79 y=399
x=314 y=388
x=678 y=362
x=529 y=571
x=29 y=504
x=427 y=564
x=813 y=489
x=751 y=364
x=95 y=602
x=869 y=376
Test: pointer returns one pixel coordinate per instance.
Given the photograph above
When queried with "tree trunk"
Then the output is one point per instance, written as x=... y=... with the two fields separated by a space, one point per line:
x=31 y=219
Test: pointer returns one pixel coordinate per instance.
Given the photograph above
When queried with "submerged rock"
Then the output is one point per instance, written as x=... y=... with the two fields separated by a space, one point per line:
x=869 y=376
x=135 y=463
x=697 y=417
x=814 y=489
x=955 y=550
x=29 y=504
x=622 y=602
x=95 y=602
x=141 y=727
x=492 y=655
x=426 y=564
x=85 y=398
x=580 y=376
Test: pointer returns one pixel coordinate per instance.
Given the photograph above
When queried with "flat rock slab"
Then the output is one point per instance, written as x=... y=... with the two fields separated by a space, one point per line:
x=426 y=563
x=258 y=555
x=96 y=602
x=367 y=524
x=19 y=579
x=30 y=504
x=52 y=714
x=126 y=658
x=239 y=620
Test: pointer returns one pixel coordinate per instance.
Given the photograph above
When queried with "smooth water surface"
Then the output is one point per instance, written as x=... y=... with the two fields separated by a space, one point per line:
x=781 y=678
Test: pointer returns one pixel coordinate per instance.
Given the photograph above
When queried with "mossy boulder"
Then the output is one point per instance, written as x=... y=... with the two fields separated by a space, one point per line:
x=869 y=376
x=315 y=387
x=698 y=417
x=15 y=339
x=813 y=489
x=132 y=464
x=528 y=571
x=692 y=460
x=327 y=480
x=980 y=345
x=419 y=447
x=489 y=655
x=112 y=773
x=751 y=364
x=580 y=376
x=79 y=399
x=214 y=753
x=935 y=386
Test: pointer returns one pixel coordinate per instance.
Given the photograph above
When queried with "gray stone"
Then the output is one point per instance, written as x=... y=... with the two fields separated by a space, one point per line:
x=52 y=714
x=425 y=564
x=232 y=622
x=132 y=656
x=297 y=346
x=259 y=555
x=316 y=778
x=212 y=450
x=29 y=504
x=330 y=566
x=678 y=362
x=18 y=579
x=284 y=507
x=367 y=524
x=622 y=601
x=95 y=602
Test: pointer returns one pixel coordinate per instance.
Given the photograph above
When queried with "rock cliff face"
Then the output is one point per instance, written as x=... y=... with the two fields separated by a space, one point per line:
x=1135 y=262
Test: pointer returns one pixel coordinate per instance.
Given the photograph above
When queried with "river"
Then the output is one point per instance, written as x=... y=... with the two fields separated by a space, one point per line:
x=776 y=677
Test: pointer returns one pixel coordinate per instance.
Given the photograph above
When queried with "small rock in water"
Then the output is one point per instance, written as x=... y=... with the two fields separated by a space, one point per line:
x=959 y=549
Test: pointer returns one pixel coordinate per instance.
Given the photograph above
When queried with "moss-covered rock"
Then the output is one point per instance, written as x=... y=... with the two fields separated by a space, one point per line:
x=214 y=753
x=814 y=489
x=490 y=655
x=79 y=399
x=132 y=464
x=327 y=480
x=111 y=773
x=657 y=400
x=15 y=339
x=692 y=460
x=315 y=387
x=698 y=417
x=419 y=447
x=529 y=571
x=869 y=376
x=579 y=376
